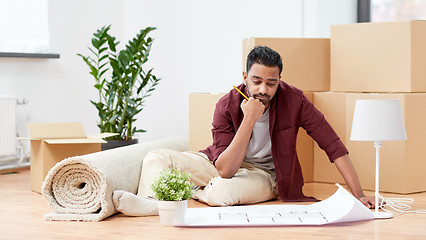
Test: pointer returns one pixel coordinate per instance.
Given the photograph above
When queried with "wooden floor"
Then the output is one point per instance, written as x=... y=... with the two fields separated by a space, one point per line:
x=21 y=217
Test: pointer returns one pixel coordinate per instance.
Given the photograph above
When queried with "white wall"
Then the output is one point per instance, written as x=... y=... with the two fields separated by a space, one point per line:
x=319 y=15
x=59 y=89
x=197 y=48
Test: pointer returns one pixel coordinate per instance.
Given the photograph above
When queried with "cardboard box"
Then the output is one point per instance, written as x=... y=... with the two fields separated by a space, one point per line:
x=201 y=109
x=306 y=61
x=53 y=142
x=402 y=167
x=379 y=57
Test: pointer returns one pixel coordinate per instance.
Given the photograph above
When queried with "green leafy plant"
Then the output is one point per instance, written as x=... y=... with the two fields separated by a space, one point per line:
x=121 y=80
x=172 y=185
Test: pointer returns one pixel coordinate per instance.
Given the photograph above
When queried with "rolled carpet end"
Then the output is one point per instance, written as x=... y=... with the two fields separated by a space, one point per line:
x=77 y=190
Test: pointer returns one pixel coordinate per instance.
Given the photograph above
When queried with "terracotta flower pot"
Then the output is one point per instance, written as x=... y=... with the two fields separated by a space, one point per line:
x=172 y=211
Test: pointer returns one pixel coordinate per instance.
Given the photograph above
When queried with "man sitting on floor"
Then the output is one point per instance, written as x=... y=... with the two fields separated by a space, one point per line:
x=253 y=156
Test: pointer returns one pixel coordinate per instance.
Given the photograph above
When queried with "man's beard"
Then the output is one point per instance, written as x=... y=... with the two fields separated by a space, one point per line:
x=263 y=98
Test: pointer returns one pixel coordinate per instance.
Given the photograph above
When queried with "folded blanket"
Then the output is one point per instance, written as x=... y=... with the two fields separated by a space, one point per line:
x=80 y=188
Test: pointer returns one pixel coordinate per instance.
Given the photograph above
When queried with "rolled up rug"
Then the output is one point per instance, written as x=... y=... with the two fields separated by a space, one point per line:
x=80 y=188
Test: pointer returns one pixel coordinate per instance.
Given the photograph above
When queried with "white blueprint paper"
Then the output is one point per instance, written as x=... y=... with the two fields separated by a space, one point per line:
x=340 y=207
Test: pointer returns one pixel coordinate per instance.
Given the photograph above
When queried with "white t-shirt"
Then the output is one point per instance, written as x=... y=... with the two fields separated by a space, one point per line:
x=259 y=148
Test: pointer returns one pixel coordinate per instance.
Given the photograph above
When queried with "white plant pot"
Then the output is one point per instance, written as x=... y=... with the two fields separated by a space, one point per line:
x=172 y=211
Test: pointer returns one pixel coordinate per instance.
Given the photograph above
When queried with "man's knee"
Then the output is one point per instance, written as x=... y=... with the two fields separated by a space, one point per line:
x=158 y=157
x=241 y=189
x=154 y=162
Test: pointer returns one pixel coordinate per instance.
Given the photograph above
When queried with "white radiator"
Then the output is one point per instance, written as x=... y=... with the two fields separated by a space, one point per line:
x=8 y=140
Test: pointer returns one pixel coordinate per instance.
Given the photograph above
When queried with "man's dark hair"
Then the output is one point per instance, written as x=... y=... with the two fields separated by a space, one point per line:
x=265 y=56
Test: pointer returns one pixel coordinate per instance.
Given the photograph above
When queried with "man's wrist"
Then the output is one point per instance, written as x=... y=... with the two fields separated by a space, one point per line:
x=248 y=122
x=358 y=194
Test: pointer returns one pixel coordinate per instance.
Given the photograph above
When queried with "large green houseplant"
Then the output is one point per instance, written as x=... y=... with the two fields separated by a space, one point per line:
x=121 y=79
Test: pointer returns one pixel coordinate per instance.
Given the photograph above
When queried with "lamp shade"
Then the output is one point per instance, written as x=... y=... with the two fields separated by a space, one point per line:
x=378 y=120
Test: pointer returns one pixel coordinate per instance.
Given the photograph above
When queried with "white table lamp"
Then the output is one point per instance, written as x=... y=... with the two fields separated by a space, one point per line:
x=378 y=120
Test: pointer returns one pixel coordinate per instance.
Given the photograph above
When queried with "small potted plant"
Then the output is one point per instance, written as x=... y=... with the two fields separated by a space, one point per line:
x=173 y=189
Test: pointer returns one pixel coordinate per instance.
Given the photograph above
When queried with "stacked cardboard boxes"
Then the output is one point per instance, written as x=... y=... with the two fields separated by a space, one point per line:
x=378 y=57
x=378 y=61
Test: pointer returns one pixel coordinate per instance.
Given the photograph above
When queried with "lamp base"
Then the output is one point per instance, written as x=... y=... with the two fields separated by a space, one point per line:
x=382 y=215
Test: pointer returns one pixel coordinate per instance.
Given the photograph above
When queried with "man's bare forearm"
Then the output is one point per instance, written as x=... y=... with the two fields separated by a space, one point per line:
x=230 y=160
x=347 y=170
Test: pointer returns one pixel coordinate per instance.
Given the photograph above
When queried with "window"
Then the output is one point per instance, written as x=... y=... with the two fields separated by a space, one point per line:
x=391 y=10
x=397 y=10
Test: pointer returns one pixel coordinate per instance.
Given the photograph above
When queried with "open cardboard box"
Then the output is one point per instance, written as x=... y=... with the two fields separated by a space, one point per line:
x=53 y=142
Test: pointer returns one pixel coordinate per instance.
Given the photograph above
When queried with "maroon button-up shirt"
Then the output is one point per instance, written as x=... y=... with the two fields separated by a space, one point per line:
x=289 y=110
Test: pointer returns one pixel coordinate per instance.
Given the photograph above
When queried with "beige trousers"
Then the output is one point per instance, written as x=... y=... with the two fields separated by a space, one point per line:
x=249 y=185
